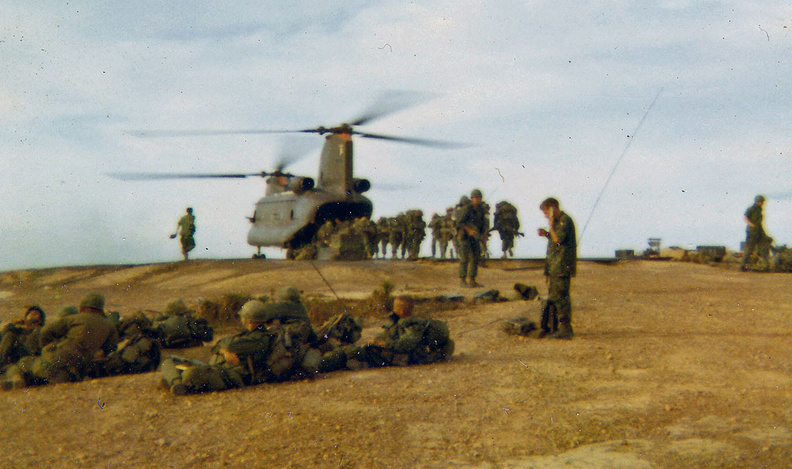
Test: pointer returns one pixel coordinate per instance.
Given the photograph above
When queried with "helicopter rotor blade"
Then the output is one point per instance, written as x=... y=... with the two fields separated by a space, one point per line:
x=160 y=176
x=390 y=102
x=414 y=141
x=207 y=132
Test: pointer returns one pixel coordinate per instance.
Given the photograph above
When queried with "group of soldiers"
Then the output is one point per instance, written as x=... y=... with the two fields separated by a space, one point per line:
x=277 y=343
x=401 y=236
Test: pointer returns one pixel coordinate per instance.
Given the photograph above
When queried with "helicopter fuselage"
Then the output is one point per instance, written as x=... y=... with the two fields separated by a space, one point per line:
x=289 y=217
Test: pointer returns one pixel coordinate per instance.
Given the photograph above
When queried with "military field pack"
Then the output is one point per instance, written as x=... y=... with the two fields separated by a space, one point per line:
x=519 y=326
x=183 y=330
x=339 y=330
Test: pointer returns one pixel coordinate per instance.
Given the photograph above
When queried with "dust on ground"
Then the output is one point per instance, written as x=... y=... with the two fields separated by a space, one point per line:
x=672 y=365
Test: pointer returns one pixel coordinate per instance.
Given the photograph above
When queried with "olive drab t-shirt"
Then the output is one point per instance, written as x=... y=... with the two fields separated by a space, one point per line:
x=561 y=258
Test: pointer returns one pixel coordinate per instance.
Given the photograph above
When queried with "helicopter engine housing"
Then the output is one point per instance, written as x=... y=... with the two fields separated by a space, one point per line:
x=298 y=185
x=361 y=185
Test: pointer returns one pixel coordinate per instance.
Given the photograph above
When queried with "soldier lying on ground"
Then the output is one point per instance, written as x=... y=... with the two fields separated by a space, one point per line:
x=406 y=340
x=273 y=347
x=178 y=328
x=139 y=349
x=69 y=344
x=20 y=338
x=236 y=361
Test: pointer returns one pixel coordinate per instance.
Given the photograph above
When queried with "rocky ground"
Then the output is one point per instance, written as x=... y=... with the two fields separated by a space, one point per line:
x=673 y=365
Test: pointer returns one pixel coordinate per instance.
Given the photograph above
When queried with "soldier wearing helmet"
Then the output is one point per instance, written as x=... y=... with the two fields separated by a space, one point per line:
x=236 y=361
x=471 y=227
x=69 y=345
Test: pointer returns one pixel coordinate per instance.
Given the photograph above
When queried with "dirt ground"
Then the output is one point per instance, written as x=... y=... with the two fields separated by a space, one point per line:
x=672 y=365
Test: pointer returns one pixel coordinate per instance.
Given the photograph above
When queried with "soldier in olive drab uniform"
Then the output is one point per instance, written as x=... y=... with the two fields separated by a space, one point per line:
x=405 y=340
x=397 y=228
x=21 y=338
x=383 y=234
x=435 y=224
x=292 y=355
x=560 y=264
x=507 y=224
x=69 y=345
x=447 y=233
x=755 y=236
x=471 y=226
x=415 y=233
x=236 y=361
x=185 y=229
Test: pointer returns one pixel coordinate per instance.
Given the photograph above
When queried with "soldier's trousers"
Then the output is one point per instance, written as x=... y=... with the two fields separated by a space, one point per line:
x=469 y=257
x=756 y=242
x=558 y=294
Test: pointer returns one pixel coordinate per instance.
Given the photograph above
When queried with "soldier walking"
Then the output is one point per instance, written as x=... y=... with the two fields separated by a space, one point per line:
x=185 y=229
x=755 y=236
x=507 y=224
x=560 y=264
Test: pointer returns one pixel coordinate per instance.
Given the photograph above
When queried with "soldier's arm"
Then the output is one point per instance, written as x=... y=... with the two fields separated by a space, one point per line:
x=406 y=339
x=53 y=331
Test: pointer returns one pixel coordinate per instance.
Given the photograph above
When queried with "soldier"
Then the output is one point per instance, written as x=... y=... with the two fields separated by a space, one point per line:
x=69 y=344
x=178 y=328
x=471 y=226
x=415 y=233
x=324 y=233
x=396 y=231
x=20 y=338
x=372 y=238
x=405 y=340
x=237 y=361
x=447 y=233
x=560 y=264
x=435 y=224
x=755 y=236
x=507 y=224
x=291 y=355
x=484 y=240
x=383 y=233
x=185 y=229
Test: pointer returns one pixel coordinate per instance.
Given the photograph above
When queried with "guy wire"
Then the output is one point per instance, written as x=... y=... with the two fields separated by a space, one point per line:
x=329 y=286
x=613 y=171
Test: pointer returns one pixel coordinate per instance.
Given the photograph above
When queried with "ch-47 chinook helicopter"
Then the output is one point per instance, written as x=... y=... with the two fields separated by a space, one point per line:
x=294 y=207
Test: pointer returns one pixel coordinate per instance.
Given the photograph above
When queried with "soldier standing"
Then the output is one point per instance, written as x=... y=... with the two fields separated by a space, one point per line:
x=396 y=232
x=507 y=225
x=383 y=234
x=560 y=264
x=755 y=236
x=435 y=224
x=415 y=233
x=185 y=229
x=471 y=226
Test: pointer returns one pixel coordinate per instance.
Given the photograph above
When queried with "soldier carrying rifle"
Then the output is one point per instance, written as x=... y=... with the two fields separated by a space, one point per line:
x=471 y=228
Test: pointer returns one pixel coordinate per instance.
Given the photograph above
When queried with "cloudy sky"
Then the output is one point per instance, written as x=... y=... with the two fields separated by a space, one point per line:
x=549 y=95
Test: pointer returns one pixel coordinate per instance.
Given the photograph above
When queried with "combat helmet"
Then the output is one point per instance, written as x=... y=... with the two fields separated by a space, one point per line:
x=67 y=310
x=176 y=307
x=476 y=193
x=288 y=294
x=254 y=311
x=93 y=300
x=759 y=198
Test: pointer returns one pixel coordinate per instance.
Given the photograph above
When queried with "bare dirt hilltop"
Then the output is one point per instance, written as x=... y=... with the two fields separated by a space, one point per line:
x=672 y=365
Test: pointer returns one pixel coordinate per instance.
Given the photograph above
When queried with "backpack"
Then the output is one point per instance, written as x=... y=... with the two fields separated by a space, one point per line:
x=181 y=331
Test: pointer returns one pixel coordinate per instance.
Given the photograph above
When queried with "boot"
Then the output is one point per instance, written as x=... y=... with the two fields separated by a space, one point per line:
x=564 y=331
